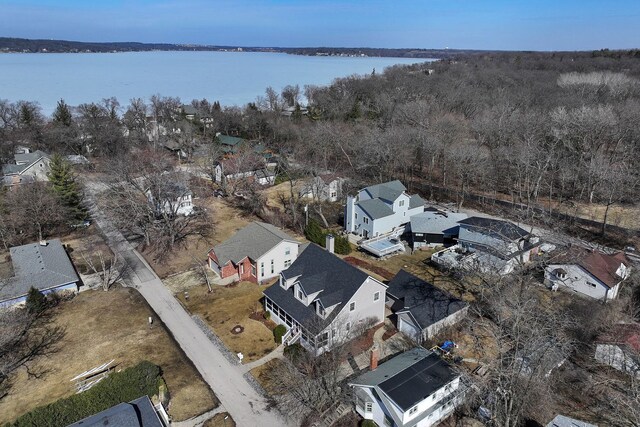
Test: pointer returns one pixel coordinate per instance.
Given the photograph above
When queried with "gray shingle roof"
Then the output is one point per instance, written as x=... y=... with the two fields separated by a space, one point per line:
x=375 y=208
x=319 y=271
x=29 y=158
x=415 y=201
x=253 y=241
x=409 y=377
x=504 y=230
x=562 y=421
x=137 y=413
x=389 y=190
x=435 y=222
x=424 y=301
x=42 y=267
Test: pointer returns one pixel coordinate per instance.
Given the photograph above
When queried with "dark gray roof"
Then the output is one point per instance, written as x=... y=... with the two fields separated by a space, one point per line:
x=410 y=377
x=562 y=421
x=436 y=222
x=189 y=110
x=388 y=191
x=415 y=201
x=504 y=230
x=11 y=169
x=375 y=208
x=137 y=413
x=319 y=271
x=426 y=303
x=253 y=241
x=42 y=267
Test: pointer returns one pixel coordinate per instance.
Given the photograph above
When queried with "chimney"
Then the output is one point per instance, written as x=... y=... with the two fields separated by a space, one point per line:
x=329 y=243
x=374 y=358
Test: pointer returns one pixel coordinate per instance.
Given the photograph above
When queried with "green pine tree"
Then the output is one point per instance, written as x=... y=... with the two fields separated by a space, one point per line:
x=36 y=301
x=66 y=186
x=62 y=114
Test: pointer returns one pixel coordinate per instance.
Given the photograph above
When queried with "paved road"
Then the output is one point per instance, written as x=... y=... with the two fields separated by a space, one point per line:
x=245 y=405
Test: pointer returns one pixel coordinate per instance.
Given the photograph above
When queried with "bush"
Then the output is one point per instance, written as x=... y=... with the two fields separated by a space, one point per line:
x=278 y=332
x=132 y=383
x=36 y=301
x=314 y=233
x=293 y=351
x=368 y=423
x=267 y=315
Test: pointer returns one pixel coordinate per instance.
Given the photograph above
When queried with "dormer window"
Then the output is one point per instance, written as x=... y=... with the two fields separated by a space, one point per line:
x=300 y=295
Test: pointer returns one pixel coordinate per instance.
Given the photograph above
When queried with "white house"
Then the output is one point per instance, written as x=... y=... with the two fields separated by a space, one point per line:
x=323 y=301
x=620 y=348
x=422 y=309
x=325 y=188
x=496 y=246
x=588 y=272
x=27 y=167
x=380 y=209
x=233 y=169
x=256 y=253
x=171 y=199
x=416 y=388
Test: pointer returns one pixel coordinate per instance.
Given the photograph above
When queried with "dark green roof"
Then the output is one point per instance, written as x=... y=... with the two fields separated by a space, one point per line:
x=229 y=140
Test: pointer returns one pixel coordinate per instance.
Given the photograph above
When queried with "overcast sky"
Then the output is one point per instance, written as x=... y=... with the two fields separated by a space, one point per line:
x=470 y=24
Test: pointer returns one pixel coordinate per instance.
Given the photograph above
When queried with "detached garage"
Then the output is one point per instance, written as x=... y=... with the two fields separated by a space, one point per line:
x=422 y=309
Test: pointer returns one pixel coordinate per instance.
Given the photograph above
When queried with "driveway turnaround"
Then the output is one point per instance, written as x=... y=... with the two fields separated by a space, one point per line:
x=244 y=403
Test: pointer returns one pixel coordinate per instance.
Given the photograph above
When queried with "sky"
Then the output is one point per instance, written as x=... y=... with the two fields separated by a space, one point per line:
x=456 y=24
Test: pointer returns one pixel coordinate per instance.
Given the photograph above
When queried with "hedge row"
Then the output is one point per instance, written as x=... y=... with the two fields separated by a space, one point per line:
x=316 y=234
x=130 y=384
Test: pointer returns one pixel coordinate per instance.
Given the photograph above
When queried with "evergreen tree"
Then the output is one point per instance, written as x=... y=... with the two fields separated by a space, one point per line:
x=36 y=301
x=66 y=187
x=62 y=114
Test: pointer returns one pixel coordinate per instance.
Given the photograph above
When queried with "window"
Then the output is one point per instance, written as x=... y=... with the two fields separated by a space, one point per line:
x=413 y=410
x=323 y=339
x=352 y=306
x=300 y=295
x=368 y=406
x=333 y=194
x=287 y=263
x=401 y=203
x=253 y=270
x=376 y=296
x=287 y=251
x=365 y=220
x=593 y=285
x=272 y=267
x=262 y=269
x=347 y=326
x=241 y=269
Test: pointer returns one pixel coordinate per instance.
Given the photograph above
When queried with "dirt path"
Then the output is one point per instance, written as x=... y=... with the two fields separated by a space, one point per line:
x=245 y=405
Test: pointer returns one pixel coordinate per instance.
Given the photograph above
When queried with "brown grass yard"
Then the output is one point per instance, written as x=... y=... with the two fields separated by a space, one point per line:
x=227 y=307
x=225 y=220
x=101 y=326
x=262 y=374
x=222 y=419
x=417 y=264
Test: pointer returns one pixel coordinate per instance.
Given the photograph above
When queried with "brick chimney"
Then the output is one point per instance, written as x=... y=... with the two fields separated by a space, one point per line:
x=374 y=358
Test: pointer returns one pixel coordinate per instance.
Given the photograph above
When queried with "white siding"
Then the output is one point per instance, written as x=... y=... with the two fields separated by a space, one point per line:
x=278 y=255
x=577 y=280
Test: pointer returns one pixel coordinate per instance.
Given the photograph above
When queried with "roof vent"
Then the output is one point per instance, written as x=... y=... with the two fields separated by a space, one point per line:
x=43 y=243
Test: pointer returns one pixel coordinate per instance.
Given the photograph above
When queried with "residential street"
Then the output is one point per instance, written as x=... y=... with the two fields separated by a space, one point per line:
x=245 y=405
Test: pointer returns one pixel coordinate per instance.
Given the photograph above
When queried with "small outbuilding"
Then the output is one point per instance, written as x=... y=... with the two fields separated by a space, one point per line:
x=44 y=265
x=619 y=348
x=435 y=228
x=422 y=308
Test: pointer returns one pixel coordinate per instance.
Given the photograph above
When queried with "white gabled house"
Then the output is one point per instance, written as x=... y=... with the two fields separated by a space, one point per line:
x=323 y=301
x=172 y=198
x=588 y=272
x=380 y=209
x=414 y=389
x=27 y=167
x=325 y=188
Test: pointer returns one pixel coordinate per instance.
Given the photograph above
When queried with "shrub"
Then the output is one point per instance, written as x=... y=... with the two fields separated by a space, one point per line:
x=36 y=301
x=368 y=423
x=132 y=383
x=314 y=233
x=267 y=315
x=293 y=351
x=342 y=245
x=278 y=332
